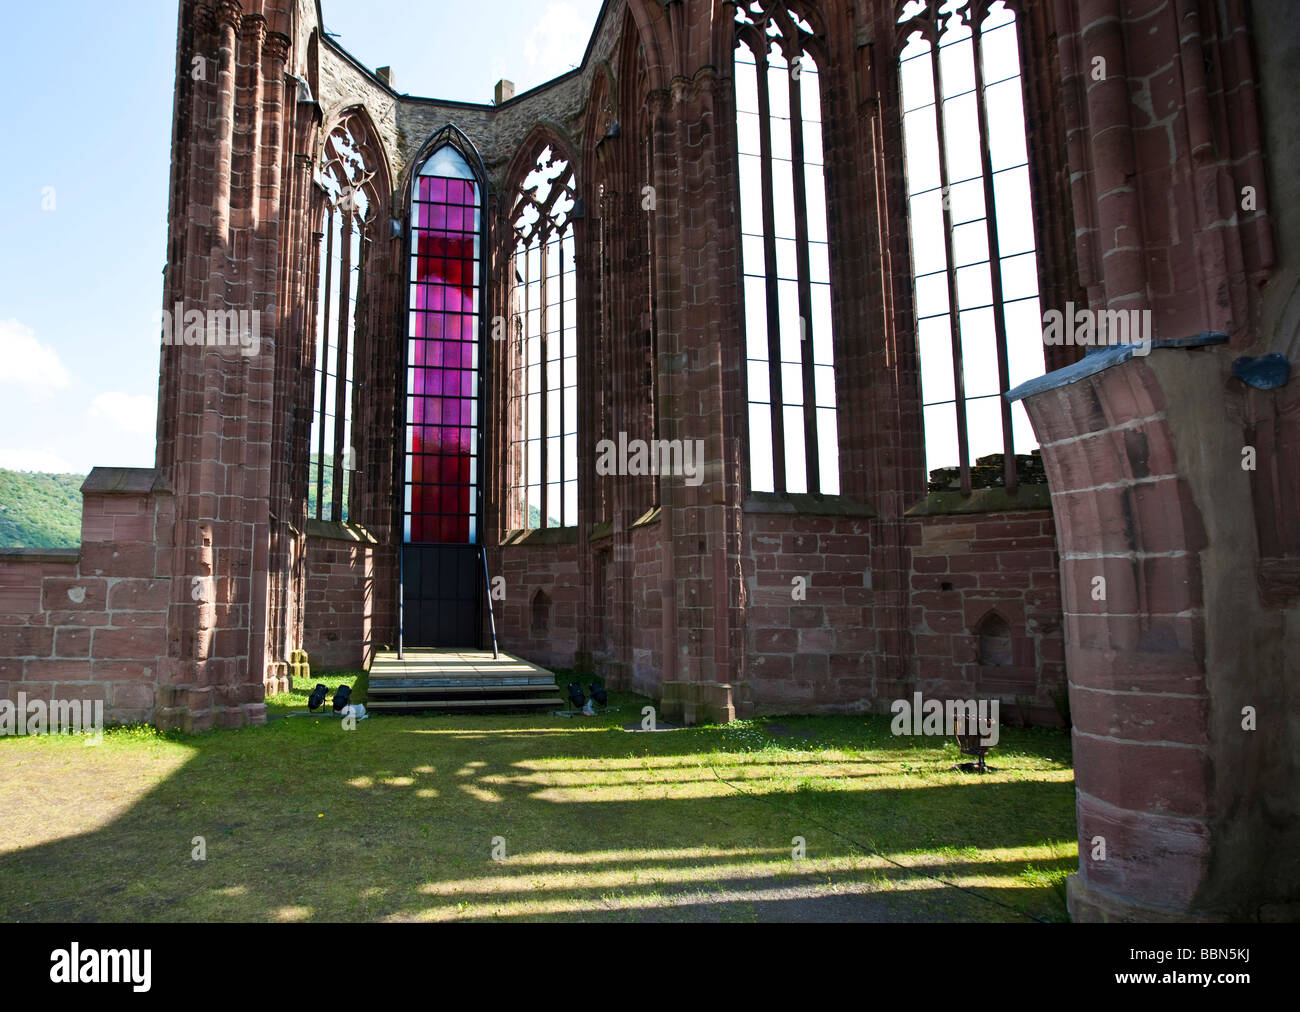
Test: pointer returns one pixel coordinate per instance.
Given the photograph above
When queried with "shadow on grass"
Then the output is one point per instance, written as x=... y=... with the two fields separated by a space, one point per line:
x=401 y=818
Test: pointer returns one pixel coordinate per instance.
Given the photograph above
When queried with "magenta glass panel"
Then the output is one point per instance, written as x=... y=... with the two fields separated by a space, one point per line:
x=442 y=360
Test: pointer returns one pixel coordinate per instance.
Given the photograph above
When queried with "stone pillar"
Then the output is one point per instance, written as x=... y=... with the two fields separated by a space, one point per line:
x=218 y=393
x=1181 y=680
x=1135 y=660
x=1181 y=683
x=699 y=383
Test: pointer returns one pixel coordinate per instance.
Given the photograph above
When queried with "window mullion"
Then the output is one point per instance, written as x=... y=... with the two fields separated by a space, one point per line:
x=323 y=364
x=543 y=416
x=954 y=315
x=769 y=270
x=811 y=458
x=340 y=363
x=563 y=455
x=995 y=261
x=347 y=426
x=528 y=390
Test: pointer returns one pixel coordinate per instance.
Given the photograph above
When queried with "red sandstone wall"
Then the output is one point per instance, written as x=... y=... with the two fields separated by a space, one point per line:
x=826 y=652
x=647 y=610
x=816 y=653
x=92 y=626
x=966 y=567
x=552 y=570
x=339 y=620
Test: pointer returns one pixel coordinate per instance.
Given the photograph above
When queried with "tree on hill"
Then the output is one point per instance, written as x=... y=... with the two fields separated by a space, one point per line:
x=40 y=510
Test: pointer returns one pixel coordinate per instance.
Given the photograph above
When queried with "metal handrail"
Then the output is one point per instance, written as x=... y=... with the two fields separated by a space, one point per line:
x=487 y=589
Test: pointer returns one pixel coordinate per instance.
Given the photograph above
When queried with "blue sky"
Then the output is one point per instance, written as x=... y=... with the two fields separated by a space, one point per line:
x=83 y=242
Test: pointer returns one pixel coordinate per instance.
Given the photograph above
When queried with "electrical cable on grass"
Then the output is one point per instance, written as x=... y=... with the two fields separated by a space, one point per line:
x=872 y=850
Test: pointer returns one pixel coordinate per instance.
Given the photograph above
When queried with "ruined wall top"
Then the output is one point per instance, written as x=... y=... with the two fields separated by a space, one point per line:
x=405 y=122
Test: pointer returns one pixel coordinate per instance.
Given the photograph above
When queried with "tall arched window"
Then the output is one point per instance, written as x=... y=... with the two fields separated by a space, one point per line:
x=347 y=181
x=441 y=488
x=979 y=325
x=785 y=254
x=544 y=362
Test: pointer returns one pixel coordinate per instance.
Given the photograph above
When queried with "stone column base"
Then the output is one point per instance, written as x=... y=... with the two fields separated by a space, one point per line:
x=183 y=718
x=1090 y=906
x=278 y=678
x=615 y=674
x=697 y=703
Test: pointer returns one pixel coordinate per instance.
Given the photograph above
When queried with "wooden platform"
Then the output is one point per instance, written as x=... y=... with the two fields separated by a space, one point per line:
x=459 y=680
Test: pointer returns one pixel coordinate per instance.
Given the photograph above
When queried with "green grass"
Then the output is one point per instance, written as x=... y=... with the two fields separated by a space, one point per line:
x=396 y=820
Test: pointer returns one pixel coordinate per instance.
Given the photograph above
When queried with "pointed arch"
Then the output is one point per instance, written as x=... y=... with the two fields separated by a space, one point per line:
x=797 y=27
x=600 y=120
x=993 y=639
x=451 y=136
x=540 y=613
x=312 y=69
x=544 y=134
x=632 y=74
x=654 y=34
x=352 y=155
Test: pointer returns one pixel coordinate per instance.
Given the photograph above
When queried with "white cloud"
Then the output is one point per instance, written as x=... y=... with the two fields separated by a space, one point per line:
x=134 y=413
x=35 y=460
x=559 y=38
x=28 y=363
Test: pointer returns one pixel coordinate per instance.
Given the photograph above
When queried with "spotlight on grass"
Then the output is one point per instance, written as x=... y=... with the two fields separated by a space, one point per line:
x=598 y=693
x=341 y=696
x=575 y=695
x=972 y=745
x=317 y=696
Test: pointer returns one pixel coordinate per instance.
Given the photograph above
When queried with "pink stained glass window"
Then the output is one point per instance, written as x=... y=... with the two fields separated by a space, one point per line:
x=441 y=493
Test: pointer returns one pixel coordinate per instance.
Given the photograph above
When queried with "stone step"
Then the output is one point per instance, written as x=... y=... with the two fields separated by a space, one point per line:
x=418 y=687
x=462 y=704
x=462 y=680
x=421 y=681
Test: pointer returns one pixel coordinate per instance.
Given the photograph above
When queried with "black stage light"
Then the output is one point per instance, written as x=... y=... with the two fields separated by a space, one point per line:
x=598 y=693
x=317 y=696
x=341 y=696
x=575 y=695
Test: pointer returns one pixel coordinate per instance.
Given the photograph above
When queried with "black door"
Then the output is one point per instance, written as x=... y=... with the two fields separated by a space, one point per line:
x=441 y=596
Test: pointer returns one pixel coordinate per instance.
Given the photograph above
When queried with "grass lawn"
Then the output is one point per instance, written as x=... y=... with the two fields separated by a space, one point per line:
x=396 y=820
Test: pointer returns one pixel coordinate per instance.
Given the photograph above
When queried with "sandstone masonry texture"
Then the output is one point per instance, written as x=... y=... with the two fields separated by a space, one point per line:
x=197 y=579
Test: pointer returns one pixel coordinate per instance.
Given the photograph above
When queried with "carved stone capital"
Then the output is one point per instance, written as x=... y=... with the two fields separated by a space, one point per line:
x=228 y=14
x=277 y=46
x=205 y=19
x=253 y=27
